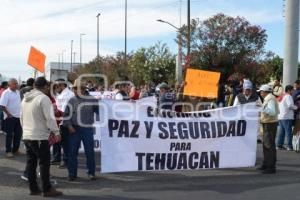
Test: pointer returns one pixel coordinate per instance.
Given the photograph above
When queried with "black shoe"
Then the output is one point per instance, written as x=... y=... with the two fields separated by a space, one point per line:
x=261 y=168
x=71 y=178
x=55 y=162
x=280 y=148
x=62 y=165
x=36 y=193
x=259 y=141
x=269 y=171
x=92 y=177
x=52 y=193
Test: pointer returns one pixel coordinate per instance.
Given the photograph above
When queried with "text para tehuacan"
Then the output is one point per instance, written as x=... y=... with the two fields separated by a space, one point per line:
x=150 y=140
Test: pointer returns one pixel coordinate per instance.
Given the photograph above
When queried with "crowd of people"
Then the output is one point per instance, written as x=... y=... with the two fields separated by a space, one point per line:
x=45 y=114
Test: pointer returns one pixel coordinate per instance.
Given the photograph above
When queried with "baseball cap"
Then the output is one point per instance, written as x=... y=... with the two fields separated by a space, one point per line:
x=247 y=85
x=265 y=88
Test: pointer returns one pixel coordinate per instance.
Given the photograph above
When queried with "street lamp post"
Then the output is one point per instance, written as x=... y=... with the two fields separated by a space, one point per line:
x=98 y=45
x=81 y=34
x=62 y=58
x=74 y=55
x=71 y=56
x=189 y=28
x=125 y=33
x=179 y=54
x=58 y=56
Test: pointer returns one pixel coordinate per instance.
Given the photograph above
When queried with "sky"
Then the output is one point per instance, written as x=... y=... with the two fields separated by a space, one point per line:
x=50 y=25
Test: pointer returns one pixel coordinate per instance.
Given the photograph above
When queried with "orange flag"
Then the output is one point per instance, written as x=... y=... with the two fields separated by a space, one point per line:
x=36 y=59
x=200 y=83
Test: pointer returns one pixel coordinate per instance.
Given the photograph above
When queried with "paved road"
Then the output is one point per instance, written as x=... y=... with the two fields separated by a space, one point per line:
x=229 y=184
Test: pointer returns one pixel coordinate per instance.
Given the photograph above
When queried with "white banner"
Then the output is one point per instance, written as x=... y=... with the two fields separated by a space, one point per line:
x=135 y=137
x=150 y=101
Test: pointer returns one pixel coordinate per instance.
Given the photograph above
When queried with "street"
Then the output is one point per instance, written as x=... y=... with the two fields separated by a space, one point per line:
x=225 y=184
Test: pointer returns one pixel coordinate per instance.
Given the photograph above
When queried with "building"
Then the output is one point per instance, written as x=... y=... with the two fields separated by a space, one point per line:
x=59 y=70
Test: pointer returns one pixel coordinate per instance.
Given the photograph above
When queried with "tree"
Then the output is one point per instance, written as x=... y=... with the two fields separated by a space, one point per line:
x=225 y=44
x=275 y=63
x=112 y=66
x=152 y=65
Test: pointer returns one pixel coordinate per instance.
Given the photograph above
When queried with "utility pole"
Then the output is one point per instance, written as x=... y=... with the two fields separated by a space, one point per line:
x=98 y=45
x=189 y=28
x=290 y=63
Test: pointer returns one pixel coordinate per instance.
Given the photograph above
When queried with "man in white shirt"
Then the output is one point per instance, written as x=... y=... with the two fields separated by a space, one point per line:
x=62 y=99
x=10 y=103
x=122 y=94
x=286 y=117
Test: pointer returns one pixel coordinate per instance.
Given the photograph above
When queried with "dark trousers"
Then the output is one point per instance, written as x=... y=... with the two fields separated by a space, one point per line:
x=38 y=151
x=13 y=129
x=269 y=147
x=56 y=150
x=86 y=135
x=62 y=145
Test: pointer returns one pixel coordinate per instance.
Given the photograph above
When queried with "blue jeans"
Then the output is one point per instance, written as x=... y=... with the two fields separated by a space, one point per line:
x=285 y=130
x=13 y=129
x=86 y=135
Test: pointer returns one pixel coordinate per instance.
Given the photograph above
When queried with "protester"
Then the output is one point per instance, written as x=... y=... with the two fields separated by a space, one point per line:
x=23 y=91
x=296 y=91
x=4 y=86
x=221 y=96
x=90 y=86
x=27 y=88
x=122 y=93
x=79 y=119
x=286 y=117
x=10 y=103
x=134 y=93
x=277 y=88
x=38 y=122
x=144 y=91
x=65 y=94
x=238 y=87
x=269 y=121
x=166 y=99
x=229 y=97
x=57 y=115
x=247 y=96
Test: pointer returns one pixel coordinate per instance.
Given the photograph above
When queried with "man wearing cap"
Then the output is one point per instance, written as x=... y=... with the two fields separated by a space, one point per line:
x=79 y=120
x=247 y=96
x=269 y=121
